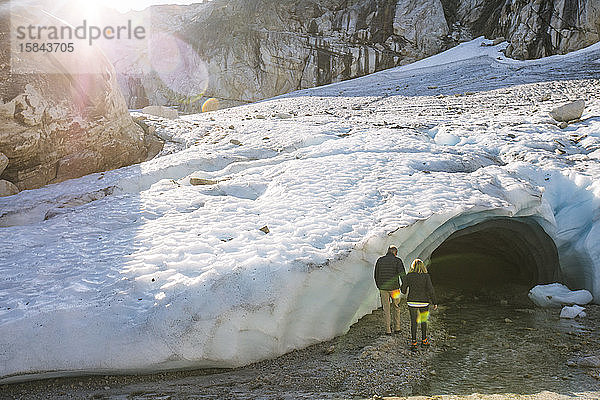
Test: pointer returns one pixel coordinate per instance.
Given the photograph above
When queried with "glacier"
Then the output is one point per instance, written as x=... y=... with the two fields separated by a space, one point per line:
x=137 y=270
x=556 y=295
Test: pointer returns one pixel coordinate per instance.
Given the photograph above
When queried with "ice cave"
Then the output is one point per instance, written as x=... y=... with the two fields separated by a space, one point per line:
x=496 y=251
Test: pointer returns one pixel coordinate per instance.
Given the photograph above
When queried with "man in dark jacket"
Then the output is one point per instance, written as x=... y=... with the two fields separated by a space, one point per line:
x=387 y=270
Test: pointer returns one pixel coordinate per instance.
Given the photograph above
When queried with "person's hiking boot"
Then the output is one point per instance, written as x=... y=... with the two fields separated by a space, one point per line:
x=425 y=342
x=397 y=331
x=388 y=333
x=414 y=345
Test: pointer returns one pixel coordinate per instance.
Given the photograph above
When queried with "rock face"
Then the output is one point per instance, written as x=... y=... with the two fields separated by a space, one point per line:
x=422 y=23
x=251 y=50
x=56 y=125
x=247 y=50
x=535 y=28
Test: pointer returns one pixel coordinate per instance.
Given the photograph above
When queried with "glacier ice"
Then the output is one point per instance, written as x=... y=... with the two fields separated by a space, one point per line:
x=162 y=274
x=573 y=311
x=556 y=295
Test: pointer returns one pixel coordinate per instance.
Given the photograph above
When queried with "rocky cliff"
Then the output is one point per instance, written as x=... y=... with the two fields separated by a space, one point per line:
x=535 y=29
x=245 y=50
x=56 y=125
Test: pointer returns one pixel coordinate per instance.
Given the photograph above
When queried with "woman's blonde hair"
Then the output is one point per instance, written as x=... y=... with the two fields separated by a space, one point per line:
x=418 y=266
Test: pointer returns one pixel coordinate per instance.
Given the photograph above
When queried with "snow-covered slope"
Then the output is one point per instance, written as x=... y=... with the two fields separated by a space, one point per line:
x=138 y=270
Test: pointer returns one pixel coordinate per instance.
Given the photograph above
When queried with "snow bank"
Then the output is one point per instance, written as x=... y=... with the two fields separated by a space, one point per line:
x=556 y=295
x=158 y=273
x=479 y=47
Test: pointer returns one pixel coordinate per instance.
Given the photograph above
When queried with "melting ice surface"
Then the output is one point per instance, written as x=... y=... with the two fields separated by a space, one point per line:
x=138 y=270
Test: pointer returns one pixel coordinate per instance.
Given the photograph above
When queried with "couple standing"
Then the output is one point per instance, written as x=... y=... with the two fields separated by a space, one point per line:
x=420 y=293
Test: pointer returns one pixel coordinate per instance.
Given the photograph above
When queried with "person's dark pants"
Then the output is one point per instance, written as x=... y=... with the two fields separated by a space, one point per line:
x=418 y=315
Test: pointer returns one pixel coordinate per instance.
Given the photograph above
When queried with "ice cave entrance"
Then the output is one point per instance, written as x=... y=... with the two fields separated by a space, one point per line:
x=496 y=252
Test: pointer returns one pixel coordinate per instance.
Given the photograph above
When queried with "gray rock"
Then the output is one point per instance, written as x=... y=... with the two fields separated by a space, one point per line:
x=161 y=111
x=563 y=124
x=7 y=188
x=153 y=143
x=3 y=162
x=202 y=181
x=568 y=112
x=588 y=362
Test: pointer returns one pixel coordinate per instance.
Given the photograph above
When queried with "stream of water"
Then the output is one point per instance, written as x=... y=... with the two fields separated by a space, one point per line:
x=497 y=346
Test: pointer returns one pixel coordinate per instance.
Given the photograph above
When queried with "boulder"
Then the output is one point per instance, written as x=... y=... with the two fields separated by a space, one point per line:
x=568 y=112
x=161 y=111
x=3 y=162
x=497 y=41
x=202 y=181
x=7 y=188
x=62 y=119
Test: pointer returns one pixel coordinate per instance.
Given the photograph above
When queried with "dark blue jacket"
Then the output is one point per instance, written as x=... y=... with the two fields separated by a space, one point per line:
x=387 y=270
